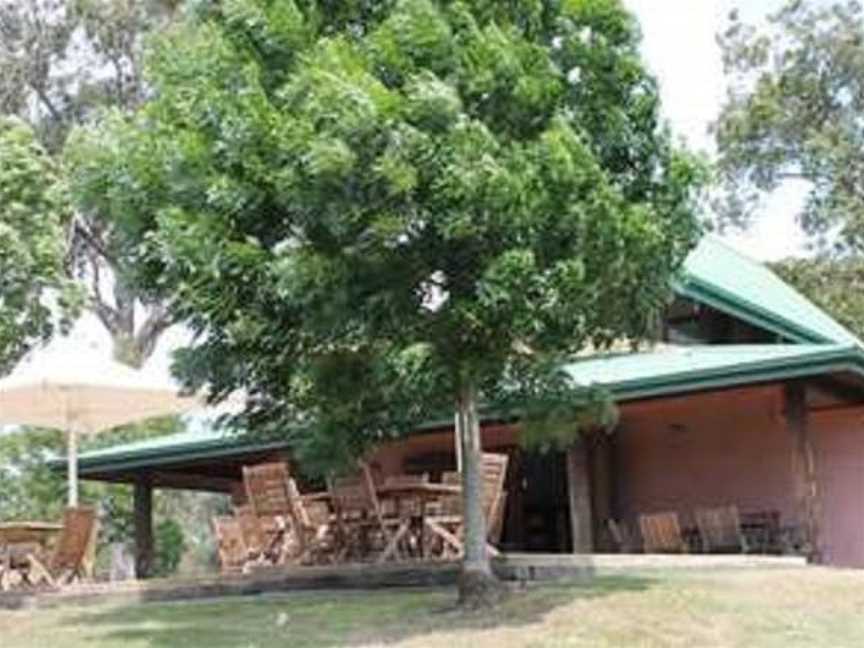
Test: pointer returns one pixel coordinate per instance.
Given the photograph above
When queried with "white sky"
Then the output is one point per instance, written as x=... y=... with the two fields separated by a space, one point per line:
x=680 y=48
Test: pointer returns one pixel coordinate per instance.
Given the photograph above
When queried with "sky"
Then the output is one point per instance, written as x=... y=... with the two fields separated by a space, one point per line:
x=679 y=46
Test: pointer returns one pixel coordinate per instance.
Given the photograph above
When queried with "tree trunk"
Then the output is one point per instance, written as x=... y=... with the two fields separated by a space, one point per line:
x=478 y=586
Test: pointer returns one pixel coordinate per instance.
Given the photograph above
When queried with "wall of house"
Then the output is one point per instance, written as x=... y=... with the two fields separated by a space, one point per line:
x=705 y=450
x=839 y=447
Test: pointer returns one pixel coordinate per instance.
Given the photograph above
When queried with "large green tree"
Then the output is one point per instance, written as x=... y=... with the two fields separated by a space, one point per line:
x=35 y=295
x=793 y=112
x=374 y=211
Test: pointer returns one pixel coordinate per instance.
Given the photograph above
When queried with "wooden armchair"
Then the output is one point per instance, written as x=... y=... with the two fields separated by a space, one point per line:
x=449 y=525
x=233 y=554
x=661 y=533
x=720 y=529
x=268 y=497
x=361 y=526
x=313 y=531
x=68 y=561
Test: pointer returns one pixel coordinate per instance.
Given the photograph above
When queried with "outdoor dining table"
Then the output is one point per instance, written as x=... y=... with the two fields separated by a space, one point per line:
x=423 y=493
x=41 y=533
x=17 y=539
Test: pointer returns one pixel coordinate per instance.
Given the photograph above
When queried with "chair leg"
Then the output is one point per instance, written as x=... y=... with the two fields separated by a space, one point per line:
x=393 y=544
x=39 y=573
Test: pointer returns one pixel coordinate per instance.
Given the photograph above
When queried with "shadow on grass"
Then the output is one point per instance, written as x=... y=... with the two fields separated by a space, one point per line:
x=327 y=619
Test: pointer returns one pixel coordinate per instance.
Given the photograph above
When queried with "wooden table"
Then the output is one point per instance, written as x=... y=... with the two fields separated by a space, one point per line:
x=20 y=532
x=17 y=540
x=422 y=492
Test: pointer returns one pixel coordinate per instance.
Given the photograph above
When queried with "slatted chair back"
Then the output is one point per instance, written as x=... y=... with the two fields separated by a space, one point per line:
x=494 y=470
x=267 y=489
x=496 y=522
x=407 y=506
x=720 y=529
x=252 y=529
x=230 y=543
x=451 y=504
x=79 y=528
x=661 y=533
x=354 y=496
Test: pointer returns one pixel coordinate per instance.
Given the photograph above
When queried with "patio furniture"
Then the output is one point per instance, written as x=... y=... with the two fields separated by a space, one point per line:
x=720 y=529
x=761 y=531
x=661 y=533
x=267 y=491
x=313 y=527
x=449 y=526
x=360 y=526
x=260 y=537
x=67 y=562
x=232 y=550
x=621 y=536
x=413 y=522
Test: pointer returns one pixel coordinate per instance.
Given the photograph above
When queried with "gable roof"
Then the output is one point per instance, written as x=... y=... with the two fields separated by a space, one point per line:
x=716 y=275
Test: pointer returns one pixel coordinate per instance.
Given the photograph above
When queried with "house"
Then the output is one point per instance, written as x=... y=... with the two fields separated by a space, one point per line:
x=755 y=397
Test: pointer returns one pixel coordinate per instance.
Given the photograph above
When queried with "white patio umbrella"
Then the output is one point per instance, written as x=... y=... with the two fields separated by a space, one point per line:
x=85 y=394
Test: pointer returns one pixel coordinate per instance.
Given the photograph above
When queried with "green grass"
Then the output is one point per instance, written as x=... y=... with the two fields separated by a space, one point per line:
x=784 y=608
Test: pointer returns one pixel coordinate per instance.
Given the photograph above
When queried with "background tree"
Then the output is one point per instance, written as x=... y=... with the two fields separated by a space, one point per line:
x=62 y=62
x=35 y=295
x=793 y=112
x=834 y=284
x=372 y=212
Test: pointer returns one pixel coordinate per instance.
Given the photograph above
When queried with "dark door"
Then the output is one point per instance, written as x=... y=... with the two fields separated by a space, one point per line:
x=537 y=503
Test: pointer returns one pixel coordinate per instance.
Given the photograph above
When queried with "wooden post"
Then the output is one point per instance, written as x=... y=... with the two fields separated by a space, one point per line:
x=803 y=467
x=601 y=489
x=143 y=509
x=579 y=497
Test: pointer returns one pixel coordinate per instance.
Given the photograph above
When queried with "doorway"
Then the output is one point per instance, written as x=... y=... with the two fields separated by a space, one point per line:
x=537 y=514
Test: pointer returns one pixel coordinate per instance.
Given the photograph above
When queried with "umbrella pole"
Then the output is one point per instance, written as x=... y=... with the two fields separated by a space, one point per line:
x=72 y=468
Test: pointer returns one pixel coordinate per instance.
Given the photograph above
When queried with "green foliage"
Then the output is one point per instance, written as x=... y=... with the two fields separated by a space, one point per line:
x=169 y=547
x=793 y=112
x=32 y=490
x=33 y=216
x=362 y=207
x=835 y=285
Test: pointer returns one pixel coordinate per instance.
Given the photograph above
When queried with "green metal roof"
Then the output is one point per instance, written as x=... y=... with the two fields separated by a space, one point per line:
x=664 y=371
x=722 y=278
x=681 y=369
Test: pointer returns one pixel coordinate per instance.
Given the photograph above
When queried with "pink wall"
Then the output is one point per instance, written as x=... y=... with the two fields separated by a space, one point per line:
x=706 y=450
x=839 y=445
x=730 y=447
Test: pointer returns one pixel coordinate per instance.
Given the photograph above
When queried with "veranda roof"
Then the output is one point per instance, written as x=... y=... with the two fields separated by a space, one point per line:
x=667 y=371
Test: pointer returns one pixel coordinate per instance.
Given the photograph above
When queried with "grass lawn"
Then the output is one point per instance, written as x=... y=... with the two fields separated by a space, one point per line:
x=784 y=608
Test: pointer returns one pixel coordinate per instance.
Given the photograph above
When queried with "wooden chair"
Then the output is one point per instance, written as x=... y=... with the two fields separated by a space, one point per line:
x=621 y=536
x=361 y=527
x=661 y=533
x=313 y=531
x=449 y=526
x=720 y=529
x=233 y=553
x=66 y=563
x=268 y=497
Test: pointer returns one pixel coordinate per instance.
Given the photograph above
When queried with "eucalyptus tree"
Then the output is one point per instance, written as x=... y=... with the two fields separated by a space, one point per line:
x=63 y=62
x=374 y=212
x=36 y=297
x=793 y=112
